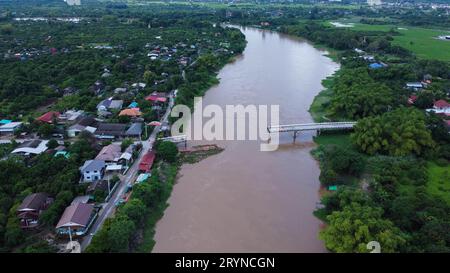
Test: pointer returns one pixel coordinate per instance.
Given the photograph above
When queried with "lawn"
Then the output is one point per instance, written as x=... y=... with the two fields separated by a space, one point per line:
x=422 y=41
x=319 y=107
x=330 y=138
x=439 y=181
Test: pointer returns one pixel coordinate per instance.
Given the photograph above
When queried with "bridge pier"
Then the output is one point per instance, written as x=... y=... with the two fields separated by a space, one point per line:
x=295 y=135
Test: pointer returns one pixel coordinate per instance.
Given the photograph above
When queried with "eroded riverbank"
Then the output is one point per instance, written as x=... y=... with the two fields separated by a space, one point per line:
x=245 y=200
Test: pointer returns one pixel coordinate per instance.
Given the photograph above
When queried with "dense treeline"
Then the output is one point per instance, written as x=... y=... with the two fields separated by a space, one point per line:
x=58 y=55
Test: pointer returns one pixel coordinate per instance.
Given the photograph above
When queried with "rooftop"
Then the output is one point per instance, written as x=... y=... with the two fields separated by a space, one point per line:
x=92 y=165
x=33 y=201
x=76 y=215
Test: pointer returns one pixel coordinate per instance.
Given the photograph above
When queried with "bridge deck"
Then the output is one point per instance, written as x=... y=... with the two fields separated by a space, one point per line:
x=310 y=126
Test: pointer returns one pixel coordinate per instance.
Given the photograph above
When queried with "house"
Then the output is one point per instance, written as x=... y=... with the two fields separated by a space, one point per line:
x=71 y=116
x=120 y=90
x=441 y=107
x=98 y=87
x=32 y=147
x=369 y=58
x=69 y=91
x=412 y=99
x=377 y=65
x=76 y=219
x=31 y=208
x=131 y=112
x=110 y=130
x=147 y=162
x=10 y=128
x=92 y=170
x=139 y=85
x=85 y=124
x=414 y=86
x=85 y=199
x=133 y=105
x=109 y=104
x=135 y=130
x=5 y=121
x=65 y=154
x=49 y=117
x=110 y=153
x=157 y=97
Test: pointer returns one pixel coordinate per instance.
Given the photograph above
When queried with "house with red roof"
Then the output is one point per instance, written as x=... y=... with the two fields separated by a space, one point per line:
x=440 y=107
x=147 y=162
x=412 y=99
x=157 y=97
x=48 y=117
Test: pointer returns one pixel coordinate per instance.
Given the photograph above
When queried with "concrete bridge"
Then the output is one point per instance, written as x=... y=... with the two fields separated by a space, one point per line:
x=318 y=127
x=175 y=139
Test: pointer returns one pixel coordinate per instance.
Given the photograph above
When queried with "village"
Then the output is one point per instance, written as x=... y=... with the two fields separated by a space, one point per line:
x=127 y=160
x=102 y=125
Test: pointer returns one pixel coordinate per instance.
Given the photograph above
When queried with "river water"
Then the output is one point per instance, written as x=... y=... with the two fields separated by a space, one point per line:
x=243 y=199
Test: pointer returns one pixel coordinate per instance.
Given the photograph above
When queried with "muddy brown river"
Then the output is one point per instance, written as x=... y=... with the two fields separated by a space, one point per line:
x=243 y=199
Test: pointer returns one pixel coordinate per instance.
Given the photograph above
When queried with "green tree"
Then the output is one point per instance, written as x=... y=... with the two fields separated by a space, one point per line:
x=135 y=210
x=399 y=132
x=167 y=151
x=350 y=230
x=46 y=130
x=119 y=234
x=52 y=144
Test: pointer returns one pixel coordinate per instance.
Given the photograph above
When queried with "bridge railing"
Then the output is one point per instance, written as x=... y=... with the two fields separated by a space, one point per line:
x=310 y=126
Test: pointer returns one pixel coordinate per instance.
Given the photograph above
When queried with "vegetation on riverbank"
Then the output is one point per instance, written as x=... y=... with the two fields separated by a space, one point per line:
x=387 y=196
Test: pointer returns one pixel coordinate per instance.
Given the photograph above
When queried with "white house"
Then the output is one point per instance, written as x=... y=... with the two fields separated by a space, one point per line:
x=92 y=170
x=10 y=128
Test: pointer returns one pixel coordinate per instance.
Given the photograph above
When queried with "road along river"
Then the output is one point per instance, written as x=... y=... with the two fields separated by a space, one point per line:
x=243 y=199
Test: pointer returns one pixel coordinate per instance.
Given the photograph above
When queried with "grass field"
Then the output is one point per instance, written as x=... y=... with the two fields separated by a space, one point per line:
x=439 y=181
x=422 y=41
x=318 y=108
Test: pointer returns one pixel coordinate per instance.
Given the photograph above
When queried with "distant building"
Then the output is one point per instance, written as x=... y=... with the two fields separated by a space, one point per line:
x=32 y=147
x=85 y=124
x=49 y=117
x=414 y=86
x=131 y=112
x=374 y=3
x=134 y=131
x=73 y=2
x=110 y=130
x=377 y=65
x=71 y=116
x=9 y=128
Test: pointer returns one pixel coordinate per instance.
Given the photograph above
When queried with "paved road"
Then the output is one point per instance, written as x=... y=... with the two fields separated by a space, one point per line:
x=108 y=208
